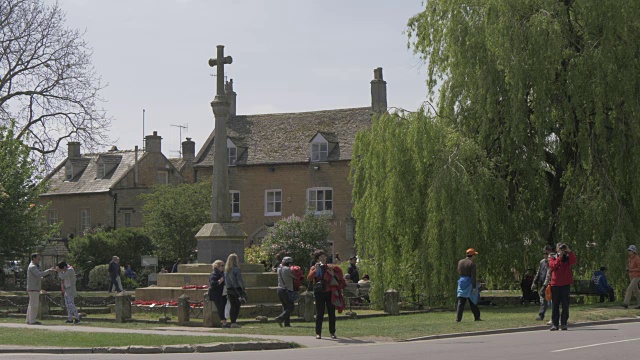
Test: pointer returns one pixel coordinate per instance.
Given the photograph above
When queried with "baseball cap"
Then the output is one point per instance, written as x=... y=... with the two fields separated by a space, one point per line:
x=633 y=248
x=471 y=251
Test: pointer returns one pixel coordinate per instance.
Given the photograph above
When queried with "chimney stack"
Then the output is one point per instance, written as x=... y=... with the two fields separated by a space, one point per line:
x=188 y=150
x=378 y=92
x=73 y=149
x=153 y=143
x=231 y=97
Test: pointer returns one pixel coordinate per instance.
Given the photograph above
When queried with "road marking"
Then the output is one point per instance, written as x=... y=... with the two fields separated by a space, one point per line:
x=592 y=345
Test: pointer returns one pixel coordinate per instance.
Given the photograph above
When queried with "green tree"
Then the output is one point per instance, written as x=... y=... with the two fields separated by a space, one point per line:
x=129 y=244
x=22 y=227
x=297 y=237
x=173 y=215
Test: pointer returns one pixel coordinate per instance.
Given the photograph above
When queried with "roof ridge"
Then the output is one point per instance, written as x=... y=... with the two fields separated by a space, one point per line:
x=309 y=112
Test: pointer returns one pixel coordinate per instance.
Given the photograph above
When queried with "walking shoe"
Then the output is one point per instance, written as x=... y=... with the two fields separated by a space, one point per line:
x=554 y=328
x=458 y=320
x=540 y=318
x=478 y=319
x=76 y=321
x=564 y=327
x=318 y=337
x=235 y=326
x=333 y=336
x=69 y=321
x=549 y=322
x=227 y=325
x=36 y=323
x=279 y=321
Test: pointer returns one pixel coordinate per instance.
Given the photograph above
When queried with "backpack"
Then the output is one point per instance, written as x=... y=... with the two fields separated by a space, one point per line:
x=298 y=277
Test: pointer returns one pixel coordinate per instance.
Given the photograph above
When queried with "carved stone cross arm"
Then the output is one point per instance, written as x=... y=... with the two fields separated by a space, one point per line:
x=220 y=61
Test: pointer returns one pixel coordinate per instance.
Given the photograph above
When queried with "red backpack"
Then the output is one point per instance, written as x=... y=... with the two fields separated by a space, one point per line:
x=298 y=277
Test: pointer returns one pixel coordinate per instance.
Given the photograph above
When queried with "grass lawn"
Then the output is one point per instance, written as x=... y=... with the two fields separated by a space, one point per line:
x=410 y=326
x=37 y=337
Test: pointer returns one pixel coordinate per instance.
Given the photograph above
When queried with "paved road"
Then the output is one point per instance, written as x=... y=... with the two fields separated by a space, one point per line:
x=618 y=342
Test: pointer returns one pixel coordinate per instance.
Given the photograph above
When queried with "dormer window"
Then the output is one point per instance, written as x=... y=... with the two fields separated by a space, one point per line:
x=232 y=153
x=69 y=172
x=319 y=148
x=101 y=170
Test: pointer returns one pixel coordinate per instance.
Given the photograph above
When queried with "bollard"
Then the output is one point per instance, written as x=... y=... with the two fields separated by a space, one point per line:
x=210 y=316
x=306 y=306
x=391 y=302
x=123 y=308
x=184 y=310
x=44 y=308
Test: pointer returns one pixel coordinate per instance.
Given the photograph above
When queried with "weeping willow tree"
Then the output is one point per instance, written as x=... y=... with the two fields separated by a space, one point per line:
x=533 y=141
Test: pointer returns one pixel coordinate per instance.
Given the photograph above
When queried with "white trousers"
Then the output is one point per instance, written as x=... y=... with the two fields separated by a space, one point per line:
x=34 y=306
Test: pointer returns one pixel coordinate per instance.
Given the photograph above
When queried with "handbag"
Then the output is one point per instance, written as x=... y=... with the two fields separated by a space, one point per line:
x=547 y=293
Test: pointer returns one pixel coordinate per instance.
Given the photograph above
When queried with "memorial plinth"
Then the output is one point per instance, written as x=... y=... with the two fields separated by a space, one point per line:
x=217 y=240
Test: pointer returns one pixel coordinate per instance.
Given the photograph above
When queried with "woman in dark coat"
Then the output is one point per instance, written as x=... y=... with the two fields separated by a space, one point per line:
x=216 y=288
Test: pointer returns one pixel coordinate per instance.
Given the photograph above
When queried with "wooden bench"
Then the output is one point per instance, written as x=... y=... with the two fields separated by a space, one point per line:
x=585 y=287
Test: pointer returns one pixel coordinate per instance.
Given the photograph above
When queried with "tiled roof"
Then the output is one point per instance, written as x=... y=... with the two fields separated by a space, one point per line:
x=86 y=181
x=178 y=163
x=284 y=138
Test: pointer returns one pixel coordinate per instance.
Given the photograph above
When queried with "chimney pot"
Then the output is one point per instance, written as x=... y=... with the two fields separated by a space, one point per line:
x=188 y=150
x=231 y=97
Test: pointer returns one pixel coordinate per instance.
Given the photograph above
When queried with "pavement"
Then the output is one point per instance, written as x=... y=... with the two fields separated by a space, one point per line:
x=623 y=331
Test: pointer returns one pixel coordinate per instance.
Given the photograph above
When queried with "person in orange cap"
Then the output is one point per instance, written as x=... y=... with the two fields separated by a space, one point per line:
x=467 y=285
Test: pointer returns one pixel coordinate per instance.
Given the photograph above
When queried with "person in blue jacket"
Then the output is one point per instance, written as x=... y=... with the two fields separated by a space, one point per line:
x=600 y=280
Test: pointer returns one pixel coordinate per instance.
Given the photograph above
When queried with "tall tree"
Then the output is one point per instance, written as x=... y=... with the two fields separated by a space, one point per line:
x=47 y=83
x=22 y=226
x=550 y=91
x=173 y=215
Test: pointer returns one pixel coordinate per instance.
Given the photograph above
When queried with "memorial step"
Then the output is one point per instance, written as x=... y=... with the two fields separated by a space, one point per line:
x=206 y=268
x=257 y=295
x=181 y=279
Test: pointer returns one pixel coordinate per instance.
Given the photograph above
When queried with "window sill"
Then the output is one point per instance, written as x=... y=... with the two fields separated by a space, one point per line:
x=273 y=214
x=235 y=217
x=329 y=214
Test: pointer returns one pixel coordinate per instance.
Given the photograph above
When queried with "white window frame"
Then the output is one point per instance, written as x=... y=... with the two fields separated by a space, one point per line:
x=85 y=219
x=319 y=154
x=101 y=170
x=232 y=148
x=324 y=200
x=231 y=194
x=274 y=202
x=52 y=216
x=128 y=214
x=165 y=175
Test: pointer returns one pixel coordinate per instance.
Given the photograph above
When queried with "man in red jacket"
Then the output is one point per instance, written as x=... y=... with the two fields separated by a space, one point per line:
x=561 y=281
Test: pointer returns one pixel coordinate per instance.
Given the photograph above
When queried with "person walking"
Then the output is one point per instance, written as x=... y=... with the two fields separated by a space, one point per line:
x=216 y=290
x=561 y=281
x=467 y=285
x=539 y=280
x=235 y=288
x=34 y=284
x=130 y=273
x=328 y=281
x=114 y=273
x=286 y=293
x=633 y=267
x=67 y=276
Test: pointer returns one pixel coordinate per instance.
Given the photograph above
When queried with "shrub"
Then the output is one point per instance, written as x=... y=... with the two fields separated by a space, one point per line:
x=256 y=255
x=129 y=284
x=99 y=277
x=296 y=237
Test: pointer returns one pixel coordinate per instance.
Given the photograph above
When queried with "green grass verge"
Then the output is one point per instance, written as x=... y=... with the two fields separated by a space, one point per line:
x=38 y=337
x=417 y=325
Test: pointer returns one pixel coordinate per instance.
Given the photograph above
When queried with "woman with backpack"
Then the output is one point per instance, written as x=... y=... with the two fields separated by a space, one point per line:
x=286 y=292
x=328 y=283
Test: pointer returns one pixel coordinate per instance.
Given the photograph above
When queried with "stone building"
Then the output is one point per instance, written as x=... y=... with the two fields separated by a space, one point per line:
x=101 y=190
x=280 y=164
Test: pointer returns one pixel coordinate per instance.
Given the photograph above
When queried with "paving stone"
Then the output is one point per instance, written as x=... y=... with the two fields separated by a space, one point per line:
x=77 y=350
x=118 y=349
x=100 y=350
x=220 y=347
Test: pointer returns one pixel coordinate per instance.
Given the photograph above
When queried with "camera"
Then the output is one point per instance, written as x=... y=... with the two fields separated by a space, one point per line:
x=563 y=247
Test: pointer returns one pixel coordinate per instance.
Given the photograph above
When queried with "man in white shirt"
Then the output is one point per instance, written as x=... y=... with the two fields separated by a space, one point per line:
x=34 y=284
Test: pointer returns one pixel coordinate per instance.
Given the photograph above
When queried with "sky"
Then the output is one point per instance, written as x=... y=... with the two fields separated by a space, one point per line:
x=288 y=56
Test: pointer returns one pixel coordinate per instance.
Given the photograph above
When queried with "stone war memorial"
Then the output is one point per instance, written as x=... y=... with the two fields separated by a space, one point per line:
x=220 y=237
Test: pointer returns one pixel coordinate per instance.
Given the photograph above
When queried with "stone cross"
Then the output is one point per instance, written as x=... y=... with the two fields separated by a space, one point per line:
x=220 y=62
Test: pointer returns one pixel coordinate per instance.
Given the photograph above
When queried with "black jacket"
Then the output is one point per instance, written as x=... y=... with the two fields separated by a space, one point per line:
x=215 y=288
